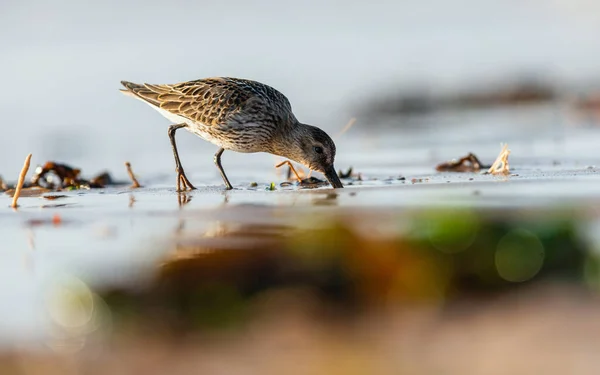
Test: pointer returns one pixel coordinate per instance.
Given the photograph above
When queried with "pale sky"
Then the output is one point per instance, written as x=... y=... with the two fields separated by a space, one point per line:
x=62 y=60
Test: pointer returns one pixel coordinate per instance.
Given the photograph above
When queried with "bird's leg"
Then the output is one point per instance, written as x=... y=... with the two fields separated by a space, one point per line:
x=217 y=160
x=181 y=178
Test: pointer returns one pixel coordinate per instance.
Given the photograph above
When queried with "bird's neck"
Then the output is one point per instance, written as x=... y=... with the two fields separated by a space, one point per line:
x=287 y=142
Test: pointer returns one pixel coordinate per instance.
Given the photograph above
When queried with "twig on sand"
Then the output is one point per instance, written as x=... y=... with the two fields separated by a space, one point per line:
x=500 y=165
x=21 y=181
x=291 y=168
x=135 y=184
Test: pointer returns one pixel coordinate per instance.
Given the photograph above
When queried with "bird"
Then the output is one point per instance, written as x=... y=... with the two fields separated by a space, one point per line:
x=238 y=115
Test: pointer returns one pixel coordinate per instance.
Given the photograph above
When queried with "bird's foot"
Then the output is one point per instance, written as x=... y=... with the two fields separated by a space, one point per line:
x=183 y=184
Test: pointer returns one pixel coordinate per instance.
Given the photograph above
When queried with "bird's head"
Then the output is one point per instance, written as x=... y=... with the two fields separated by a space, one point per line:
x=313 y=148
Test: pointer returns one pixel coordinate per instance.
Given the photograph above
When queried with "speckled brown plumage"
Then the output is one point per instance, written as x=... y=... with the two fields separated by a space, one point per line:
x=239 y=115
x=216 y=101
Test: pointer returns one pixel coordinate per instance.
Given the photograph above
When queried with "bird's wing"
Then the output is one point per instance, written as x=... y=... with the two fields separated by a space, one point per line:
x=208 y=101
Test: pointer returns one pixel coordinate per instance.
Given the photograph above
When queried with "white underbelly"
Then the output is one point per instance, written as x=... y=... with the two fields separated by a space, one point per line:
x=199 y=130
x=193 y=127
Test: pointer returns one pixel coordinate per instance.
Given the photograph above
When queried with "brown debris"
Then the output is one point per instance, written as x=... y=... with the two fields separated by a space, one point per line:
x=135 y=184
x=469 y=163
x=20 y=182
x=102 y=180
x=54 y=176
x=312 y=182
x=350 y=174
x=68 y=176
x=347 y=174
x=54 y=197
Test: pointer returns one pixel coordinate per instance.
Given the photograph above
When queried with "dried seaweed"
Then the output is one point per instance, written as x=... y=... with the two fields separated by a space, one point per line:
x=469 y=163
x=59 y=176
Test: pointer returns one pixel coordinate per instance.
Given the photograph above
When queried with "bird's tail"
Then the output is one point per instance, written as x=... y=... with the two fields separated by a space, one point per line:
x=141 y=92
x=130 y=88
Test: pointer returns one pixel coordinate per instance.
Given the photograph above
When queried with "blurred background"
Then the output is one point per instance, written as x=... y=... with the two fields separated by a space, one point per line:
x=63 y=61
x=404 y=271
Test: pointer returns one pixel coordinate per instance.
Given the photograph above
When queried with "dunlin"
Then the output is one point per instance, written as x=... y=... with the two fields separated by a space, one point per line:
x=238 y=115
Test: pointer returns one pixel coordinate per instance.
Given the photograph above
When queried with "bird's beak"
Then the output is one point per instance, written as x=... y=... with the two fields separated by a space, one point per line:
x=333 y=178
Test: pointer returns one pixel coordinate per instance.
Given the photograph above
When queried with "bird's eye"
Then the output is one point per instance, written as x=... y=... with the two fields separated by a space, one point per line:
x=318 y=150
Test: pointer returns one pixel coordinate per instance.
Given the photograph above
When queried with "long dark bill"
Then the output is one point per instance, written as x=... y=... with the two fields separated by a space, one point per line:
x=333 y=178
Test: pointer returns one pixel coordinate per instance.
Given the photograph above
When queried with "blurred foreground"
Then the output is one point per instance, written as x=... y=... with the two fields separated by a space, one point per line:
x=448 y=291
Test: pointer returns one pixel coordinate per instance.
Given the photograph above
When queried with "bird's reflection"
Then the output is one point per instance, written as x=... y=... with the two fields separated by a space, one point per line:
x=225 y=197
x=183 y=199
